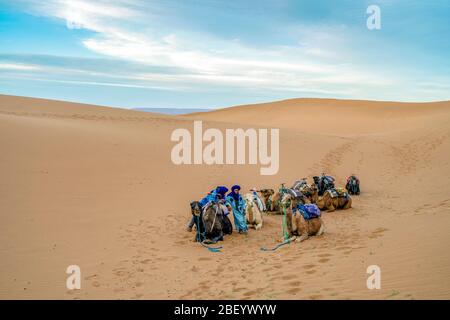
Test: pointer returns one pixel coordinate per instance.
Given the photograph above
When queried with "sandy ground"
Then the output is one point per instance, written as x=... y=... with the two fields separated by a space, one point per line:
x=95 y=187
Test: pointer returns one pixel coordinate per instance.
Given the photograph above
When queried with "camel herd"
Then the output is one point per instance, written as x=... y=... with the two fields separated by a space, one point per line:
x=294 y=203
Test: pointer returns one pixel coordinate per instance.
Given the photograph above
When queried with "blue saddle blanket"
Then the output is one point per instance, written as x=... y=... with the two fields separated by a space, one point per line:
x=308 y=211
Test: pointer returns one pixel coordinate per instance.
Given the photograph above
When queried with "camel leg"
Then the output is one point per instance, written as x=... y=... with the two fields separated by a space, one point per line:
x=302 y=237
x=290 y=239
x=321 y=230
x=331 y=207
x=348 y=205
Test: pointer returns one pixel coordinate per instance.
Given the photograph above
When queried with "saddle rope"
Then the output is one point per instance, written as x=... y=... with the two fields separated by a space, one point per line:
x=284 y=231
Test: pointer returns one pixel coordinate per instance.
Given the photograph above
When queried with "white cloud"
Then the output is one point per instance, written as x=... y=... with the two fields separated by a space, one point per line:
x=126 y=29
x=19 y=67
x=117 y=36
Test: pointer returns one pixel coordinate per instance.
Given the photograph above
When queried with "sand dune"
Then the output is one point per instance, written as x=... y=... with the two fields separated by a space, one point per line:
x=330 y=116
x=94 y=186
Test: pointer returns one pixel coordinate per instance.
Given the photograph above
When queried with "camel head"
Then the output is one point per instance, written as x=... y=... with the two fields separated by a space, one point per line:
x=266 y=193
x=286 y=200
x=314 y=191
x=196 y=208
x=249 y=198
x=353 y=180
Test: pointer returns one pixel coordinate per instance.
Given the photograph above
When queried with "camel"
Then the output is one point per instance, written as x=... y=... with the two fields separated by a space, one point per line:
x=196 y=210
x=252 y=212
x=275 y=202
x=299 y=184
x=275 y=199
x=266 y=195
x=298 y=228
x=313 y=193
x=352 y=185
x=215 y=222
x=323 y=183
x=310 y=191
x=332 y=200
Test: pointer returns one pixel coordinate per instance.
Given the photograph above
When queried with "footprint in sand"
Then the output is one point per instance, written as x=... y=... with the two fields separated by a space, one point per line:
x=309 y=266
x=120 y=273
x=294 y=283
x=377 y=233
x=289 y=277
x=204 y=259
x=324 y=255
x=323 y=260
x=146 y=261
x=250 y=293
x=343 y=248
x=293 y=290
x=334 y=294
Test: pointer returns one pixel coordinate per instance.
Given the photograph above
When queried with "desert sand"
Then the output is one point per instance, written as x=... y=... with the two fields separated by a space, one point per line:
x=94 y=186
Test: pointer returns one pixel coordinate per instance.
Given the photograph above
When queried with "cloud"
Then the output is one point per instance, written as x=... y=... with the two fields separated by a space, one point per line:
x=19 y=67
x=117 y=35
x=149 y=53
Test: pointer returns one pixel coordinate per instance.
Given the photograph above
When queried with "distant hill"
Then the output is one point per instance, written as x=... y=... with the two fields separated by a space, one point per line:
x=172 y=110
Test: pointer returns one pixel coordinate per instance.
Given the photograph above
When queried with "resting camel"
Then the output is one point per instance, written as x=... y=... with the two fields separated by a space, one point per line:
x=275 y=202
x=332 y=200
x=215 y=222
x=299 y=184
x=252 y=212
x=352 y=185
x=298 y=228
x=311 y=192
x=266 y=194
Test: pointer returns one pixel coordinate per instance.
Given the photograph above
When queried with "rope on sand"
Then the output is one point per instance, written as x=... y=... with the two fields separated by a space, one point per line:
x=212 y=249
x=200 y=236
x=277 y=246
x=285 y=234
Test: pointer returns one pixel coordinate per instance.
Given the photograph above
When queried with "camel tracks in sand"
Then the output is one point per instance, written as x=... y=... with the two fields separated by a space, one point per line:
x=334 y=158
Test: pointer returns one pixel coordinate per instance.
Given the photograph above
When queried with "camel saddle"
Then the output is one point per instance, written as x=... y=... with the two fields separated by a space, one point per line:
x=338 y=193
x=295 y=193
x=309 y=211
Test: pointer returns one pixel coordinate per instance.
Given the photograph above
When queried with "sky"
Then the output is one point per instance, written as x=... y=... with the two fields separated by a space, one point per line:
x=214 y=53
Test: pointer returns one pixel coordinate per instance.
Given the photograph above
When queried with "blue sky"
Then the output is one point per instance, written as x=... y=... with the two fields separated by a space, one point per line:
x=207 y=54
